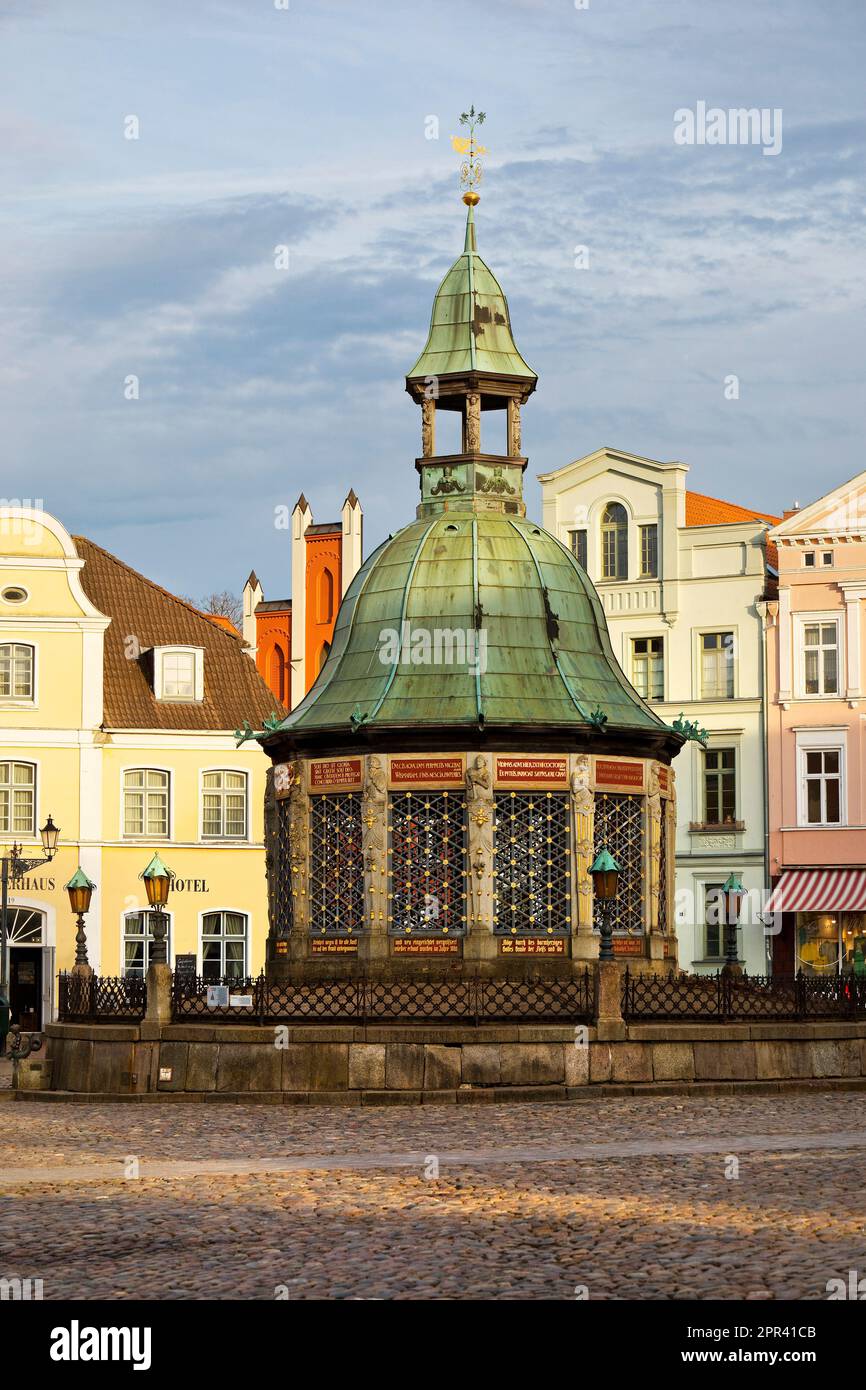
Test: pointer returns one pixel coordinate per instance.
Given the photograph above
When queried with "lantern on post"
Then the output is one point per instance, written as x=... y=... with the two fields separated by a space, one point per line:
x=733 y=893
x=605 y=878
x=80 y=890
x=157 y=883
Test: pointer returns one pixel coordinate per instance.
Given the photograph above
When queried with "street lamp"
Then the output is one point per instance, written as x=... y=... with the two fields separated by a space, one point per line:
x=14 y=866
x=733 y=893
x=605 y=876
x=80 y=891
x=157 y=882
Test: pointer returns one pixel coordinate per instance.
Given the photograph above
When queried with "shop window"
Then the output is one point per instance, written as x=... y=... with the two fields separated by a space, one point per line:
x=648 y=667
x=17 y=799
x=16 y=671
x=138 y=942
x=532 y=863
x=224 y=946
x=427 y=863
x=336 y=864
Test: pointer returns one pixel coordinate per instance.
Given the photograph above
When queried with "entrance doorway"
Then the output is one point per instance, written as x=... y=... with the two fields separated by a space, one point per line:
x=26 y=967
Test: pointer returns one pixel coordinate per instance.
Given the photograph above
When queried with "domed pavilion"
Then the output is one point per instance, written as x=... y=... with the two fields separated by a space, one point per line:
x=471 y=742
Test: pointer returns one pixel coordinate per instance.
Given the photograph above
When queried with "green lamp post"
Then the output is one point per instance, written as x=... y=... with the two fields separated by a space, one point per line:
x=157 y=882
x=733 y=893
x=80 y=890
x=605 y=877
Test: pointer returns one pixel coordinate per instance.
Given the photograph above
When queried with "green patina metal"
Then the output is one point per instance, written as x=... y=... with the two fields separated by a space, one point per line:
x=604 y=863
x=79 y=880
x=470 y=327
x=156 y=869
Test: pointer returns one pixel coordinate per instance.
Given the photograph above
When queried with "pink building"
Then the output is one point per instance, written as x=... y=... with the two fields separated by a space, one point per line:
x=816 y=743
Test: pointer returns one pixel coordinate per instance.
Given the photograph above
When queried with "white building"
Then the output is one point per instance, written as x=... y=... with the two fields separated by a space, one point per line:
x=680 y=575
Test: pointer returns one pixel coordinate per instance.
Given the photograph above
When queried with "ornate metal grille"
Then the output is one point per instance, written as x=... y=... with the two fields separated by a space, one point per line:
x=336 y=865
x=532 y=864
x=282 y=889
x=101 y=997
x=427 y=863
x=619 y=827
x=663 y=871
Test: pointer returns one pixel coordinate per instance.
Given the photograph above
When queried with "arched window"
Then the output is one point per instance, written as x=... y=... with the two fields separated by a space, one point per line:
x=614 y=542
x=278 y=674
x=224 y=946
x=16 y=671
x=323 y=655
x=326 y=596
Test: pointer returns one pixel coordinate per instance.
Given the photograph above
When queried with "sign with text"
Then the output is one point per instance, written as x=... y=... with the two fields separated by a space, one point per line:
x=417 y=946
x=427 y=772
x=664 y=780
x=185 y=967
x=616 y=772
x=217 y=996
x=628 y=946
x=532 y=772
x=334 y=946
x=333 y=774
x=532 y=946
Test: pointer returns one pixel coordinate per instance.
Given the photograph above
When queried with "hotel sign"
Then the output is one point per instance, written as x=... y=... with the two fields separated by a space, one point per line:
x=335 y=774
x=532 y=772
x=428 y=772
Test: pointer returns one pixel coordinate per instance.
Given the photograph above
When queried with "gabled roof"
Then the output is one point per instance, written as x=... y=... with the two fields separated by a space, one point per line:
x=712 y=511
x=141 y=610
x=840 y=511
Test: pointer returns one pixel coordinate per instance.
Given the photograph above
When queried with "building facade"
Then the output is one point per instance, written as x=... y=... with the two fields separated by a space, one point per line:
x=681 y=577
x=118 y=706
x=817 y=743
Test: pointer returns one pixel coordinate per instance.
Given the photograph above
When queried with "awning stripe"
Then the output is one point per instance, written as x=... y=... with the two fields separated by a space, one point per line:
x=820 y=890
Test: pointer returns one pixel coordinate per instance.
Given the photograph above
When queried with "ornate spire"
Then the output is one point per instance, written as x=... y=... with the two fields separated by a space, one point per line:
x=471 y=170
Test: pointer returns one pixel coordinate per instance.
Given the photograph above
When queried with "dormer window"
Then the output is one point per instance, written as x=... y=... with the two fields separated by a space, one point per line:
x=178 y=673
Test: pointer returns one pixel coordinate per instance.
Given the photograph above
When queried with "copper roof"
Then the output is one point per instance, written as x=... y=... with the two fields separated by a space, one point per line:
x=233 y=689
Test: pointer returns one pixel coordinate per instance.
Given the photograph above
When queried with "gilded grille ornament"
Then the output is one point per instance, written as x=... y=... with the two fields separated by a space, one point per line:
x=427 y=858
x=619 y=828
x=336 y=892
x=532 y=858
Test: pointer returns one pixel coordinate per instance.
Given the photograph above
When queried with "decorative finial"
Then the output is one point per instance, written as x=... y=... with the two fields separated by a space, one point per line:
x=471 y=169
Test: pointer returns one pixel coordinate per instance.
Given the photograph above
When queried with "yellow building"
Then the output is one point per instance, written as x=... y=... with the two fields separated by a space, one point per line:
x=118 y=705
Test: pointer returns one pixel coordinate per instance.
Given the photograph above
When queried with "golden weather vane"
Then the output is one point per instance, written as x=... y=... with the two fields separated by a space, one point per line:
x=471 y=169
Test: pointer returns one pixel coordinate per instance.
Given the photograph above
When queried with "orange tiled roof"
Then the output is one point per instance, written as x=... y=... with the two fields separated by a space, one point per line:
x=233 y=689
x=222 y=621
x=711 y=511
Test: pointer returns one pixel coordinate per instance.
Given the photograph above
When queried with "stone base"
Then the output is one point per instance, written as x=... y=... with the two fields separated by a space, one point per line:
x=391 y=1064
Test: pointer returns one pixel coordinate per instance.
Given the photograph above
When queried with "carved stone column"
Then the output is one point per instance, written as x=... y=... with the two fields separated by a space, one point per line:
x=513 y=428
x=654 y=822
x=299 y=860
x=584 y=945
x=472 y=424
x=428 y=428
x=374 y=815
x=480 y=943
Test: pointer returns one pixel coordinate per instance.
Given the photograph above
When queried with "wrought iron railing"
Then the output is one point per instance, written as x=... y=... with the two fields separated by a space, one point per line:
x=101 y=998
x=740 y=998
x=376 y=1001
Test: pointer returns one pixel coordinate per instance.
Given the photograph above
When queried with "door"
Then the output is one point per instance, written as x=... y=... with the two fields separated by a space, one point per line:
x=25 y=987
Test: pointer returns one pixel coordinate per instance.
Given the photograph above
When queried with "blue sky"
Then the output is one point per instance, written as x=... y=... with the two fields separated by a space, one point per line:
x=306 y=127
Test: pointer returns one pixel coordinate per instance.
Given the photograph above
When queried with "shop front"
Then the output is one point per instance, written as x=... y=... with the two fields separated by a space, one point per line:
x=818 y=921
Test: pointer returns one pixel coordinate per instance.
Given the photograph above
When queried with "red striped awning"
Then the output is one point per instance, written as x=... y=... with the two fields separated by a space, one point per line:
x=820 y=890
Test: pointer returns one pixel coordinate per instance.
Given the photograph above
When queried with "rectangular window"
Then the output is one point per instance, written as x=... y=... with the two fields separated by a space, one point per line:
x=720 y=786
x=224 y=805
x=578 y=546
x=821 y=658
x=648 y=667
x=224 y=946
x=809 y=559
x=822 y=770
x=16 y=671
x=145 y=802
x=717 y=665
x=827 y=557
x=714 y=920
x=178 y=676
x=17 y=799
x=649 y=552
x=138 y=940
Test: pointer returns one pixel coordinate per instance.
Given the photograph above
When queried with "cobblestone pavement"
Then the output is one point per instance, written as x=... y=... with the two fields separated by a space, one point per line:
x=623 y=1198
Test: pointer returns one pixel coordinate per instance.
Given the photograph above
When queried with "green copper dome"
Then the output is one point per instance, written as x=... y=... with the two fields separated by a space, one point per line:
x=542 y=655
x=470 y=328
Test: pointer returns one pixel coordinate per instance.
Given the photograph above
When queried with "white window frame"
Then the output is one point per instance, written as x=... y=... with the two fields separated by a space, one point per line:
x=21 y=701
x=822 y=741
x=247 y=937
x=801 y=622
x=145 y=835
x=203 y=790
x=146 y=911
x=700 y=634
x=648 y=637
x=159 y=656
x=23 y=836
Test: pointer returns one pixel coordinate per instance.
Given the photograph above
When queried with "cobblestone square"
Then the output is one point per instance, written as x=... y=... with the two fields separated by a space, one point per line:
x=711 y=1198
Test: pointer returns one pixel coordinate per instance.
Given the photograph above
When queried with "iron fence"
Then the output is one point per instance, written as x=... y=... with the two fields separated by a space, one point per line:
x=376 y=1001
x=100 y=998
x=735 y=998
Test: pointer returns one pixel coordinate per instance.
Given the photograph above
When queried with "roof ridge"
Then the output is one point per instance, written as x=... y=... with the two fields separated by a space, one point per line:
x=151 y=583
